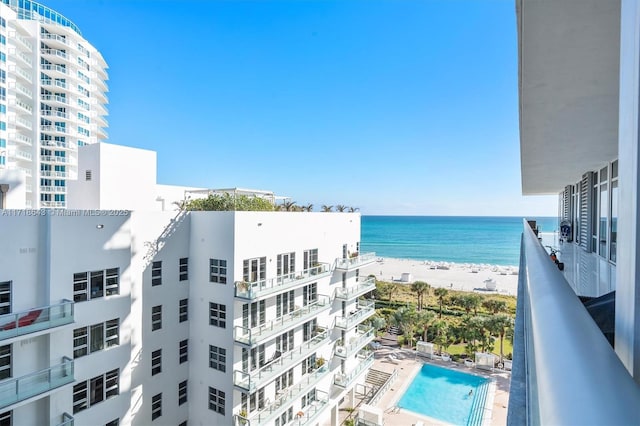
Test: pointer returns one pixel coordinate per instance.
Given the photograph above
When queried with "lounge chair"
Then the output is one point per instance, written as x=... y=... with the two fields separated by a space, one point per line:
x=392 y=358
x=24 y=321
x=375 y=345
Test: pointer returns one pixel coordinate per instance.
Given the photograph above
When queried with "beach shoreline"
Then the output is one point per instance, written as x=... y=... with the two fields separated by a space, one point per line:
x=450 y=275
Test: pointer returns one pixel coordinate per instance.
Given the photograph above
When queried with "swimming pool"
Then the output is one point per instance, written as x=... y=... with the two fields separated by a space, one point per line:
x=447 y=395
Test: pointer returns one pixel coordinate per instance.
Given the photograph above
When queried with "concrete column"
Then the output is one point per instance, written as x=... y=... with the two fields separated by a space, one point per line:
x=335 y=421
x=627 y=340
x=351 y=397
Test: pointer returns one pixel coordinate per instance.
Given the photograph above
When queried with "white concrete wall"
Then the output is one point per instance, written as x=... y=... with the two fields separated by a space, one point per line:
x=627 y=340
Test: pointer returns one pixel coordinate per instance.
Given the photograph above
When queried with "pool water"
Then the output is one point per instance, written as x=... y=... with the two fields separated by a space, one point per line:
x=444 y=394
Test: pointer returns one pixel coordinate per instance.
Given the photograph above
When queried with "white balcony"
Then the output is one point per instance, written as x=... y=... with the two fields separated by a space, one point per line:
x=355 y=261
x=54 y=129
x=53 y=189
x=365 y=309
x=252 y=381
x=54 y=99
x=54 y=53
x=287 y=396
x=54 y=39
x=258 y=289
x=355 y=343
x=36 y=319
x=365 y=361
x=256 y=335
x=350 y=293
x=54 y=70
x=19 y=389
x=67 y=420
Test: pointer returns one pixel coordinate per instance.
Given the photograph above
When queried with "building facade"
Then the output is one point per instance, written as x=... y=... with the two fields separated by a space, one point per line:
x=52 y=99
x=577 y=339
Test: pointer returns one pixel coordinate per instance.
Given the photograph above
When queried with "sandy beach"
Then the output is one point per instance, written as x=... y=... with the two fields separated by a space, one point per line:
x=456 y=276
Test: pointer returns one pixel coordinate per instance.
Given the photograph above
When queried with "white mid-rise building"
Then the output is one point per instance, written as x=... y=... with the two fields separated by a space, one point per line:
x=52 y=99
x=166 y=317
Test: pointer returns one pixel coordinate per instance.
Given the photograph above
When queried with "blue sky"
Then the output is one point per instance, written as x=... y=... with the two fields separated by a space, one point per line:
x=394 y=107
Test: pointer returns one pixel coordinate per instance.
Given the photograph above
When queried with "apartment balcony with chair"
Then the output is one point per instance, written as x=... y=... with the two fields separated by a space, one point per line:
x=285 y=397
x=19 y=389
x=558 y=349
x=258 y=289
x=279 y=364
x=363 y=336
x=364 y=309
x=36 y=319
x=355 y=261
x=365 y=361
x=350 y=293
x=256 y=335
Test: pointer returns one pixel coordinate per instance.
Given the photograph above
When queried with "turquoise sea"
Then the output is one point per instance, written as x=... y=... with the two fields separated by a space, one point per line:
x=460 y=239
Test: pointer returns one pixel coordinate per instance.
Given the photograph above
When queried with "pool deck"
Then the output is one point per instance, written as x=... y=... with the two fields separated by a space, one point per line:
x=408 y=365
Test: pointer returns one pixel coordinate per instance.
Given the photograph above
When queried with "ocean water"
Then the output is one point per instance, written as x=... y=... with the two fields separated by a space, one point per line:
x=460 y=239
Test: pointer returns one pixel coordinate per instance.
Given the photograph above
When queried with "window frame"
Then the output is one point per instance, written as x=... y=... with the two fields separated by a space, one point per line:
x=218 y=315
x=218 y=358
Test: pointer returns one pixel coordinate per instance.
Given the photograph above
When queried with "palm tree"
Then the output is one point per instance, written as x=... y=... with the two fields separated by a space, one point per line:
x=500 y=324
x=420 y=288
x=423 y=320
x=341 y=208
x=441 y=293
x=470 y=302
x=326 y=208
x=288 y=206
x=308 y=208
x=474 y=331
x=403 y=318
x=442 y=331
x=495 y=305
x=353 y=209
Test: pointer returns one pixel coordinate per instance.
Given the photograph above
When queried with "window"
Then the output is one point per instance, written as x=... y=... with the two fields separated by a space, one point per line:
x=95 y=337
x=156 y=273
x=285 y=303
x=5 y=297
x=217 y=315
x=254 y=270
x=97 y=281
x=310 y=294
x=183 y=351
x=216 y=400
x=286 y=264
x=310 y=259
x=182 y=392
x=218 y=358
x=284 y=342
x=184 y=269
x=285 y=380
x=156 y=406
x=5 y=362
x=156 y=362
x=183 y=310
x=115 y=422
x=218 y=271
x=95 y=390
x=6 y=418
x=156 y=318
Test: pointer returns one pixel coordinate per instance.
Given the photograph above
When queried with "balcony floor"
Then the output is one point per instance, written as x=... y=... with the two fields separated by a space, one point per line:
x=588 y=274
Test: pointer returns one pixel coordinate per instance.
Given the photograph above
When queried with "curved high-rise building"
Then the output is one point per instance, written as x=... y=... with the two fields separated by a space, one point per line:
x=52 y=98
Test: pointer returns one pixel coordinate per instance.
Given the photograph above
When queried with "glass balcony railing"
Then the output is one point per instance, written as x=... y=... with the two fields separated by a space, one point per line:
x=252 y=381
x=255 y=335
x=564 y=370
x=253 y=290
x=365 y=309
x=365 y=361
x=360 y=340
x=36 y=319
x=357 y=261
x=311 y=412
x=21 y=388
x=286 y=396
x=351 y=293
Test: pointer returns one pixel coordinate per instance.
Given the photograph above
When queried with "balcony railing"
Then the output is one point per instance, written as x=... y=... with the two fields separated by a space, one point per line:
x=355 y=262
x=564 y=369
x=364 y=310
x=282 y=402
x=255 y=335
x=21 y=388
x=252 y=381
x=313 y=409
x=67 y=420
x=21 y=323
x=360 y=340
x=350 y=293
x=365 y=361
x=253 y=290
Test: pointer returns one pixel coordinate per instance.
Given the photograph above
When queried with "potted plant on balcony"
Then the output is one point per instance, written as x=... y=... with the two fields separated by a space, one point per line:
x=243 y=286
x=320 y=363
x=242 y=417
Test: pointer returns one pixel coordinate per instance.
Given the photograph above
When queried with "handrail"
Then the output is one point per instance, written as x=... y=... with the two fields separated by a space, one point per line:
x=572 y=374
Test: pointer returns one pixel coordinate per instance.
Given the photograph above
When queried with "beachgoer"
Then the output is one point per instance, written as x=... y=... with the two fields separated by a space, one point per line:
x=471 y=392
